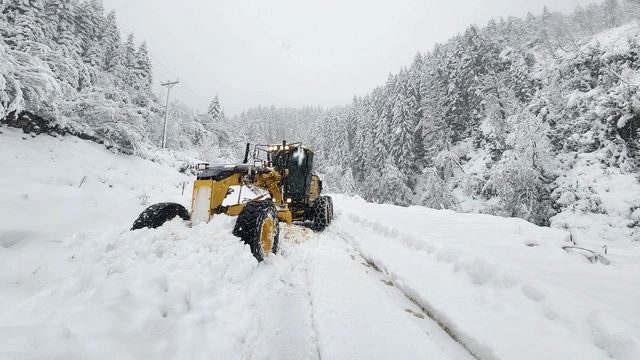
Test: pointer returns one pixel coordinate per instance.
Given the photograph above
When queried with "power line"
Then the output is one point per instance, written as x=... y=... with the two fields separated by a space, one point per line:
x=201 y=104
x=186 y=95
x=198 y=99
x=182 y=96
x=189 y=102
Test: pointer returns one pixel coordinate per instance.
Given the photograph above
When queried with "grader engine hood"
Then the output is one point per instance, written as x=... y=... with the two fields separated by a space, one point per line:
x=218 y=173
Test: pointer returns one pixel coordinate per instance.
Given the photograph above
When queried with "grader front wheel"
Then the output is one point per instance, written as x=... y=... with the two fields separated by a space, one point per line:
x=156 y=215
x=258 y=226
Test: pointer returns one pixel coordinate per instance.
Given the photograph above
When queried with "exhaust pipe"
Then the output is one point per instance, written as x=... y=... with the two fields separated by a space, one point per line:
x=246 y=154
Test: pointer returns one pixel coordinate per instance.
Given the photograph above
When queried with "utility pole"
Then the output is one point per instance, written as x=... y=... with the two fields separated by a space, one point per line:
x=169 y=85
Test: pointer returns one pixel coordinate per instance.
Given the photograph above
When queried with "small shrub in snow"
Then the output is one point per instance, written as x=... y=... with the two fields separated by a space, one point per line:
x=390 y=187
x=332 y=179
x=435 y=192
x=348 y=184
x=144 y=199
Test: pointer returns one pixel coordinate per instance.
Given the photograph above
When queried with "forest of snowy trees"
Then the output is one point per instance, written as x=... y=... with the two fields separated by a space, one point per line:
x=65 y=62
x=497 y=114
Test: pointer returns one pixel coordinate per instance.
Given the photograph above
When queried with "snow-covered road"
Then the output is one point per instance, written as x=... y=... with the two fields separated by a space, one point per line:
x=180 y=292
x=382 y=282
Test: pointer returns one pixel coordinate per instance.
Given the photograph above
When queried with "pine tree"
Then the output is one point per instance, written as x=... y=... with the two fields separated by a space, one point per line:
x=522 y=177
x=90 y=25
x=392 y=187
x=111 y=43
x=214 y=109
x=380 y=137
x=403 y=127
x=142 y=68
x=61 y=15
x=129 y=50
x=95 y=55
x=362 y=144
x=613 y=13
x=436 y=129
x=26 y=83
x=26 y=25
x=348 y=183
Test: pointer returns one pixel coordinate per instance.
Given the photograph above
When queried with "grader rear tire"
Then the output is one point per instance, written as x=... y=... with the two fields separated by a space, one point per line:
x=321 y=212
x=330 y=201
x=258 y=226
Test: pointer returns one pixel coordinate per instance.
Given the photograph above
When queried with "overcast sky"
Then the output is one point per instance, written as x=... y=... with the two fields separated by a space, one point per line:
x=298 y=52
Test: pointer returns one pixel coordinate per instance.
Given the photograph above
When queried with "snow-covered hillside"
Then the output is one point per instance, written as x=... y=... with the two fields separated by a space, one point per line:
x=382 y=282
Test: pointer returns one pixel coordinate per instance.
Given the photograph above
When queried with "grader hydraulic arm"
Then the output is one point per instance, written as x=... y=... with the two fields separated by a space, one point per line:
x=213 y=185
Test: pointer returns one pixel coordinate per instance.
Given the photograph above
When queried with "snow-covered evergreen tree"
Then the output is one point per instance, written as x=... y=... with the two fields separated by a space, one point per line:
x=435 y=192
x=26 y=83
x=142 y=68
x=27 y=25
x=214 y=109
x=522 y=177
x=348 y=183
x=111 y=41
x=391 y=187
x=402 y=139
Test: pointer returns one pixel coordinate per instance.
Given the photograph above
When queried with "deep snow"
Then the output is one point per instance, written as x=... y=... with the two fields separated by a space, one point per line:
x=76 y=284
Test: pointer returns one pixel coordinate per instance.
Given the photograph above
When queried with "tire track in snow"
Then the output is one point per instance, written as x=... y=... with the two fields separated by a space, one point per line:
x=466 y=353
x=293 y=250
x=353 y=314
x=446 y=335
x=430 y=324
x=313 y=321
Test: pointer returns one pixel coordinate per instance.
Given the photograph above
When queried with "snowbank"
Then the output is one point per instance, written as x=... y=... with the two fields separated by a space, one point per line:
x=44 y=190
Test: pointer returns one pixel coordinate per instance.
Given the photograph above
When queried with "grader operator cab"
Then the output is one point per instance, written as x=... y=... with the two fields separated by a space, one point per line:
x=291 y=192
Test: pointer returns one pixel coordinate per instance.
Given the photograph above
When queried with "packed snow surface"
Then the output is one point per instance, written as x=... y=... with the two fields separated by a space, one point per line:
x=381 y=282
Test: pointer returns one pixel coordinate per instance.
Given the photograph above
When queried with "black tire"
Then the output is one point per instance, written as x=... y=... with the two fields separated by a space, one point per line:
x=156 y=215
x=330 y=201
x=258 y=226
x=320 y=211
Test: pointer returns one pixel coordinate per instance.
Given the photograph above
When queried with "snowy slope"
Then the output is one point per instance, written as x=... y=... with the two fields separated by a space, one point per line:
x=76 y=284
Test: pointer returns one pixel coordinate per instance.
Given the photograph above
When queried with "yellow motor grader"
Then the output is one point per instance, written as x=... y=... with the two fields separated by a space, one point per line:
x=291 y=193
